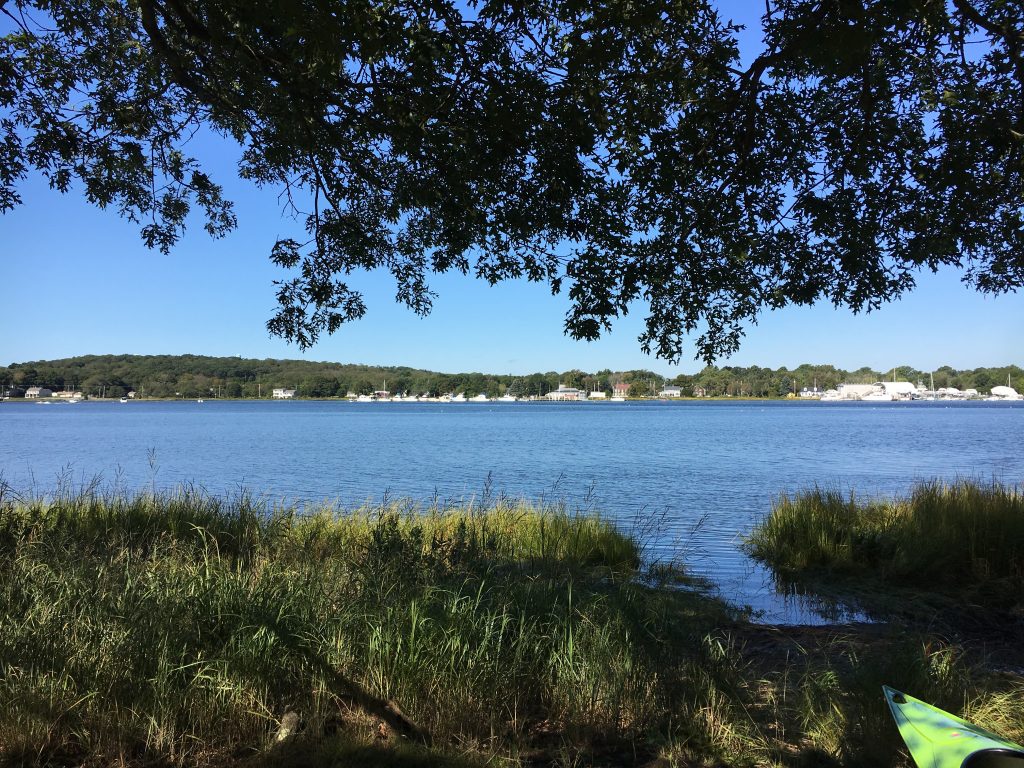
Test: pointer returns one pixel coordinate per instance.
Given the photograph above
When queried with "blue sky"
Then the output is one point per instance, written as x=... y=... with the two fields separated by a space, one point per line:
x=77 y=280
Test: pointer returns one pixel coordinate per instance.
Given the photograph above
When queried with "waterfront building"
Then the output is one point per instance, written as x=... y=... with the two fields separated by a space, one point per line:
x=283 y=394
x=899 y=390
x=567 y=393
x=34 y=392
x=856 y=391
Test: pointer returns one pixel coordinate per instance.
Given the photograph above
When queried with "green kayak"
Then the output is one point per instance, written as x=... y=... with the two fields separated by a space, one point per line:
x=937 y=739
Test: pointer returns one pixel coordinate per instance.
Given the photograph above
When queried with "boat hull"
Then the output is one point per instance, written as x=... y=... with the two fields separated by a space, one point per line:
x=938 y=739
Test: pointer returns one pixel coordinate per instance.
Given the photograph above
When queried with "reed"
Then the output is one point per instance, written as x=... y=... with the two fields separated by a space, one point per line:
x=952 y=537
x=189 y=630
x=181 y=629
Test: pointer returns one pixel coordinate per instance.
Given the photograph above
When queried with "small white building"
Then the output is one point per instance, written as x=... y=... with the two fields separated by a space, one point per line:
x=280 y=393
x=34 y=392
x=899 y=390
x=566 y=393
x=598 y=394
x=812 y=393
x=855 y=391
x=671 y=392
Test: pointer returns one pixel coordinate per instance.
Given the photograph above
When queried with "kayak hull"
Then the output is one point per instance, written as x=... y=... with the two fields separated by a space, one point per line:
x=938 y=739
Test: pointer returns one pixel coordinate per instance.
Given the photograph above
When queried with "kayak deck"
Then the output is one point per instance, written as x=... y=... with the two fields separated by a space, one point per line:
x=938 y=739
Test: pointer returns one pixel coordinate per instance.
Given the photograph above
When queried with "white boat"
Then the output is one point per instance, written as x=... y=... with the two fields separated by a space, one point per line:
x=459 y=398
x=506 y=398
x=879 y=395
x=125 y=400
x=481 y=398
x=618 y=399
x=198 y=401
x=364 y=399
x=1006 y=393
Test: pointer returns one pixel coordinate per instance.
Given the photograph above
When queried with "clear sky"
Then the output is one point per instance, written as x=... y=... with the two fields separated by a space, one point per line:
x=76 y=280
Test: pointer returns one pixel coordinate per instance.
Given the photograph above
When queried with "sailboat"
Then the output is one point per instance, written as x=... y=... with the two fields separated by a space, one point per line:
x=1000 y=393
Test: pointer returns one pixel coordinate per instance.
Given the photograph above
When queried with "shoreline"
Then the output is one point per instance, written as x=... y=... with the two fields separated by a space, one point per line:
x=182 y=630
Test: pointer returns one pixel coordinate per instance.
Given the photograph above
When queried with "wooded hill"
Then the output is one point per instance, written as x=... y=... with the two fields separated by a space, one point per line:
x=169 y=376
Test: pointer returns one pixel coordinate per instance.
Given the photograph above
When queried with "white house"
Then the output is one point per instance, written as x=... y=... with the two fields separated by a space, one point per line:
x=671 y=392
x=566 y=393
x=598 y=394
x=283 y=394
x=33 y=392
x=621 y=389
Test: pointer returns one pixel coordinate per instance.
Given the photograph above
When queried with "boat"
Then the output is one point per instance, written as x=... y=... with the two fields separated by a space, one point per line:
x=365 y=399
x=938 y=739
x=481 y=398
x=125 y=400
x=199 y=400
x=1002 y=394
x=459 y=398
x=618 y=399
x=507 y=398
x=880 y=397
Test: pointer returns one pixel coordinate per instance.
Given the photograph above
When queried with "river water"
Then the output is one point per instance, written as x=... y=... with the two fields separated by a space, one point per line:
x=695 y=475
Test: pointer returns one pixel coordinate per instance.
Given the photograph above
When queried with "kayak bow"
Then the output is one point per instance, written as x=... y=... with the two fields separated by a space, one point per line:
x=937 y=739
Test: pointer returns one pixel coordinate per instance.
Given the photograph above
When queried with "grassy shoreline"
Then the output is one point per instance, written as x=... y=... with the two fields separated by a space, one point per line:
x=961 y=543
x=187 y=630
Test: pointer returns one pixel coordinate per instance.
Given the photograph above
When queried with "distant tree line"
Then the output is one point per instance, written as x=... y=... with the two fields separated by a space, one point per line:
x=190 y=376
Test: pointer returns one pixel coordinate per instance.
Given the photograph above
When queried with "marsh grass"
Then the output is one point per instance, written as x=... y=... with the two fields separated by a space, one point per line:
x=180 y=629
x=964 y=539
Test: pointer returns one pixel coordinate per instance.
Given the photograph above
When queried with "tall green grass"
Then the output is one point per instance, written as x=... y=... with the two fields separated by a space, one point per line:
x=181 y=629
x=184 y=630
x=961 y=537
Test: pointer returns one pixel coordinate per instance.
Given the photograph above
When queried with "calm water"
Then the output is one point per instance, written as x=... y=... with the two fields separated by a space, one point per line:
x=707 y=470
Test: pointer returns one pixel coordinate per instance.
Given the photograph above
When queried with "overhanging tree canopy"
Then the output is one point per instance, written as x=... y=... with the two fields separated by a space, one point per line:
x=617 y=150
